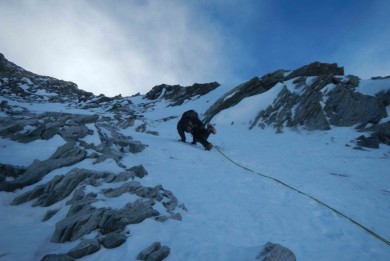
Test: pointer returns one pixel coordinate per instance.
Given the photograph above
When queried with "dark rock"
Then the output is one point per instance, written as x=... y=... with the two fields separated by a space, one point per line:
x=318 y=100
x=155 y=252
x=60 y=90
x=368 y=142
x=178 y=94
x=29 y=195
x=74 y=132
x=346 y=108
x=128 y=187
x=65 y=155
x=380 y=134
x=124 y=176
x=247 y=89
x=317 y=69
x=140 y=171
x=57 y=257
x=59 y=187
x=301 y=108
x=160 y=254
x=132 y=213
x=85 y=248
x=143 y=255
x=384 y=96
x=11 y=171
x=115 y=144
x=380 y=77
x=83 y=219
x=113 y=240
x=353 y=80
x=49 y=214
x=276 y=252
x=75 y=226
x=260 y=85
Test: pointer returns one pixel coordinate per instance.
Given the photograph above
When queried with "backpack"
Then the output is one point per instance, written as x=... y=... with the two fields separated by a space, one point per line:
x=190 y=114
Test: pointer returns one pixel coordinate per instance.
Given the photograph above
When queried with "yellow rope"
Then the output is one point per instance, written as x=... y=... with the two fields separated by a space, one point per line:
x=387 y=242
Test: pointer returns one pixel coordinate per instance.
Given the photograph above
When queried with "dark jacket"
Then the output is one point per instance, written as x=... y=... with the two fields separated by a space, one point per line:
x=194 y=126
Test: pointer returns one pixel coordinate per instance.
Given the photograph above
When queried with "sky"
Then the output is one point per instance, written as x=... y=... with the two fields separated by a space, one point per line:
x=129 y=46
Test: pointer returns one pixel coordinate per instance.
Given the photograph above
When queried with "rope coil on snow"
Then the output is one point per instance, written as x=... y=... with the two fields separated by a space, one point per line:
x=387 y=242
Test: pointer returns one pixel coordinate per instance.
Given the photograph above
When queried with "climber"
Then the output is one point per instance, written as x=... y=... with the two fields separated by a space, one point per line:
x=191 y=123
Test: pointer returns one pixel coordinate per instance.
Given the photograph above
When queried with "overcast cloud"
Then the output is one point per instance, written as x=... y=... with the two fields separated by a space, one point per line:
x=121 y=49
x=125 y=47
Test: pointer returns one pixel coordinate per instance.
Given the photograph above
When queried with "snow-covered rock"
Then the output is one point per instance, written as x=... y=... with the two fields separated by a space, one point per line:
x=72 y=169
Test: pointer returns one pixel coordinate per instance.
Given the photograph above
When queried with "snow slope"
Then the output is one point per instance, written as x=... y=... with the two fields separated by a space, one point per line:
x=231 y=212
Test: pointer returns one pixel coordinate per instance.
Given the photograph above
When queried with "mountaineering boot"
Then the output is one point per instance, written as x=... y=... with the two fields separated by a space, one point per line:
x=211 y=129
x=209 y=146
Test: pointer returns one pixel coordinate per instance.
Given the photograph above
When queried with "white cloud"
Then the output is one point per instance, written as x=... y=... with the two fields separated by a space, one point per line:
x=112 y=47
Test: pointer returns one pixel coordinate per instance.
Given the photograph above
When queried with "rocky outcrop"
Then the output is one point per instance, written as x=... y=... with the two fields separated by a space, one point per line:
x=8 y=68
x=113 y=240
x=83 y=217
x=177 y=94
x=344 y=107
x=65 y=155
x=86 y=247
x=155 y=252
x=260 y=85
x=378 y=134
x=19 y=83
x=276 y=252
x=315 y=97
x=29 y=127
x=57 y=257
x=323 y=102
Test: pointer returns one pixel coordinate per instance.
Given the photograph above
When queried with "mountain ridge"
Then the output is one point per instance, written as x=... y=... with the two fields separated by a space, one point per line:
x=92 y=147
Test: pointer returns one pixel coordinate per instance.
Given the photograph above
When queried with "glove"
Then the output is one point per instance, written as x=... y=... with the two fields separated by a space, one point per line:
x=211 y=129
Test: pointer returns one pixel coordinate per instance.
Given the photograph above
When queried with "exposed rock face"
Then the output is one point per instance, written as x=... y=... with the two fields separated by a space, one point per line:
x=155 y=252
x=379 y=134
x=344 y=107
x=55 y=257
x=177 y=94
x=113 y=240
x=66 y=155
x=29 y=127
x=86 y=247
x=315 y=97
x=276 y=252
x=22 y=83
x=83 y=218
x=263 y=84
x=326 y=101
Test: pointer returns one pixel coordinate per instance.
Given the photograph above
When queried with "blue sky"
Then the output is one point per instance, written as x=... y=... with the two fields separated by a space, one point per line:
x=125 y=47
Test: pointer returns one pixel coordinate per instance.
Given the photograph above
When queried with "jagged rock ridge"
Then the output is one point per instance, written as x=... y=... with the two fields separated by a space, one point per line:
x=317 y=97
x=177 y=94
